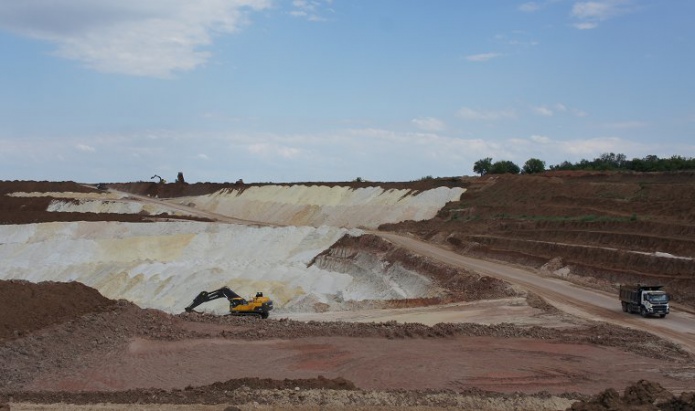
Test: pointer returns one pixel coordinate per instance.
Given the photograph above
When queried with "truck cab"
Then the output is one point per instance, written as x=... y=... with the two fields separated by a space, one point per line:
x=647 y=300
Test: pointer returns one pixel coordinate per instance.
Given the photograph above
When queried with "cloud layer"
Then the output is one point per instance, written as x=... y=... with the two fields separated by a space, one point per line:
x=153 y=38
x=373 y=154
x=586 y=14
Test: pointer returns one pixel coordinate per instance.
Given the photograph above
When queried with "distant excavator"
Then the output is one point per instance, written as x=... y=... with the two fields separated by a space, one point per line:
x=259 y=306
x=161 y=180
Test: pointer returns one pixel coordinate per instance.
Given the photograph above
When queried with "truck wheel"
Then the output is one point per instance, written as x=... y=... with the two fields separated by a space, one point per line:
x=662 y=315
x=643 y=312
x=624 y=304
x=264 y=315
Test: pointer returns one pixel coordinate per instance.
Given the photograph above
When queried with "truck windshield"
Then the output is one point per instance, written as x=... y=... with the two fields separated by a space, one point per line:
x=658 y=298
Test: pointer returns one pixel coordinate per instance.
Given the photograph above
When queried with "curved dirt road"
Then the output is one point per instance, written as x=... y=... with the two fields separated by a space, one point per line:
x=220 y=218
x=678 y=327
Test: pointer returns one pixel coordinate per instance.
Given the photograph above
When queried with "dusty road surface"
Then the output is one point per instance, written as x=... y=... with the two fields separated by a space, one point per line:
x=678 y=327
x=457 y=363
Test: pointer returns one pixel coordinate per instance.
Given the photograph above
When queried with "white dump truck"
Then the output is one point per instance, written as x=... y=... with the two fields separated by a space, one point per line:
x=647 y=300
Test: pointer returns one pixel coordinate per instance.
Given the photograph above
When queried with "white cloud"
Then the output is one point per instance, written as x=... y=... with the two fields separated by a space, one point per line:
x=375 y=154
x=557 y=108
x=533 y=6
x=479 y=58
x=312 y=10
x=590 y=13
x=530 y=6
x=471 y=114
x=429 y=124
x=543 y=111
x=273 y=150
x=153 y=38
x=592 y=147
x=586 y=25
x=85 y=147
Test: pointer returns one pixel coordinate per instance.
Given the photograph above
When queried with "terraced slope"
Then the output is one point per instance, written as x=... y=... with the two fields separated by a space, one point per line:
x=597 y=227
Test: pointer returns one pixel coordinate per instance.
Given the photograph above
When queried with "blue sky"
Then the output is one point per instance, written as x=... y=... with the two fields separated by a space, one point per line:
x=332 y=90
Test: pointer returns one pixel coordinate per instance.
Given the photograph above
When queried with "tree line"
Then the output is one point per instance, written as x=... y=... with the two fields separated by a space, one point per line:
x=605 y=162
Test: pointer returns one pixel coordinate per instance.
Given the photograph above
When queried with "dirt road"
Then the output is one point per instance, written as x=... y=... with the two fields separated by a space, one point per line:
x=186 y=209
x=678 y=327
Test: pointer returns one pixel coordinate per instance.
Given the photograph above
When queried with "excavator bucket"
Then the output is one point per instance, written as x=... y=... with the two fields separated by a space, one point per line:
x=259 y=306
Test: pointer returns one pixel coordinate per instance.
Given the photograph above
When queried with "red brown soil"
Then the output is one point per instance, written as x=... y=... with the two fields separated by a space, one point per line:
x=58 y=340
x=28 y=210
x=643 y=395
x=26 y=307
x=596 y=224
x=118 y=352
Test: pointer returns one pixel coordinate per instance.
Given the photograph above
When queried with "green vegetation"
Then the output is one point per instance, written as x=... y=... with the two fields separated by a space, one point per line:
x=612 y=161
x=504 y=167
x=482 y=166
x=605 y=162
x=533 y=165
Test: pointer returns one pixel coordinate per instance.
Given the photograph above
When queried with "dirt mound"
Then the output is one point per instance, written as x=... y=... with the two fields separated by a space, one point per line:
x=89 y=334
x=320 y=382
x=16 y=186
x=215 y=393
x=643 y=396
x=26 y=306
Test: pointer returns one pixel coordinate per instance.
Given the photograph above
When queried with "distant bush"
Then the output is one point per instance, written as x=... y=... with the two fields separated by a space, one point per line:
x=482 y=166
x=504 y=167
x=612 y=161
x=605 y=162
x=534 y=165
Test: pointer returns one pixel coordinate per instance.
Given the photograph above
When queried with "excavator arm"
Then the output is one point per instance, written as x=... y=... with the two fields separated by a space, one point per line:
x=206 y=296
x=259 y=306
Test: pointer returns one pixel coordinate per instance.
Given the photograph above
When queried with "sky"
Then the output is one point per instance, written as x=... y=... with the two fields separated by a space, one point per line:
x=335 y=90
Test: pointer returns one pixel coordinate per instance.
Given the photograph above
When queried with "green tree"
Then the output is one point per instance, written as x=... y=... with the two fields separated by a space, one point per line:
x=482 y=166
x=534 y=165
x=504 y=167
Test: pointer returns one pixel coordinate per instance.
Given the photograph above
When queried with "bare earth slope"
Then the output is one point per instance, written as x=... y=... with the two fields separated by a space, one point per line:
x=65 y=343
x=603 y=228
x=125 y=354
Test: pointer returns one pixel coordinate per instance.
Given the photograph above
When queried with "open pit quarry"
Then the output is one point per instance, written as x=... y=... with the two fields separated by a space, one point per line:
x=163 y=265
x=429 y=295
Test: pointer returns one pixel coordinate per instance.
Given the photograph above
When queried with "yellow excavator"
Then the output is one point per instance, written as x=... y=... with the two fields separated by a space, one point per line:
x=258 y=306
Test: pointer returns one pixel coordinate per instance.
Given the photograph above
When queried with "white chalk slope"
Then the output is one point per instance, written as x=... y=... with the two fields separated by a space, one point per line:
x=164 y=265
x=336 y=206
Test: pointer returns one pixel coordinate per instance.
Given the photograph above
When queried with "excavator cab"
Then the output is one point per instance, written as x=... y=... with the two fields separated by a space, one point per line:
x=259 y=306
